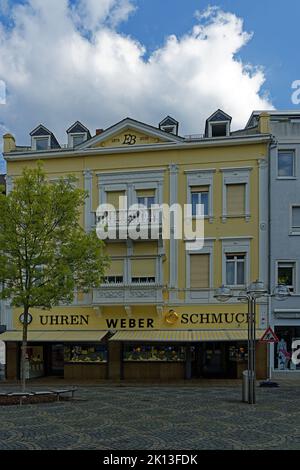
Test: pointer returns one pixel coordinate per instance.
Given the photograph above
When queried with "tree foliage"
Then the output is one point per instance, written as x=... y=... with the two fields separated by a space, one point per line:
x=45 y=254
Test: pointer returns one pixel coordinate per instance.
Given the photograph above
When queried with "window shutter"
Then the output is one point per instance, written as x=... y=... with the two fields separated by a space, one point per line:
x=116 y=268
x=199 y=189
x=143 y=268
x=236 y=203
x=145 y=193
x=112 y=197
x=199 y=271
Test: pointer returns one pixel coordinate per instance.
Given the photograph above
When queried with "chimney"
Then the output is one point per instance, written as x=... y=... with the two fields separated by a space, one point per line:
x=264 y=123
x=9 y=143
x=99 y=131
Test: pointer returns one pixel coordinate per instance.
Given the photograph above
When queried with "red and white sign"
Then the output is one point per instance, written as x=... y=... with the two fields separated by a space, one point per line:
x=269 y=336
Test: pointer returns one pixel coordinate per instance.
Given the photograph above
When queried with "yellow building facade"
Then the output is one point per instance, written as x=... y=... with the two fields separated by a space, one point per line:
x=155 y=317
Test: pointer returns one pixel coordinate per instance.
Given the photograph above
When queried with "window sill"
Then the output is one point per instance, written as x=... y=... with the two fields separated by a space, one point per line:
x=286 y=178
x=294 y=234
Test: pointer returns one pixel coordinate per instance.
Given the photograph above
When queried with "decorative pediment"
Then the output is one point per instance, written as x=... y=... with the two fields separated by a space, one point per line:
x=130 y=133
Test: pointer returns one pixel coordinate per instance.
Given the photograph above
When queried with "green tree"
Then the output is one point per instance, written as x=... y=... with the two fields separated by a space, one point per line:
x=45 y=254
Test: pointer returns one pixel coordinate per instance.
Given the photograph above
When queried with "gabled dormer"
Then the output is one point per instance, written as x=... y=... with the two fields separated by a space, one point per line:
x=43 y=139
x=218 y=125
x=77 y=134
x=170 y=125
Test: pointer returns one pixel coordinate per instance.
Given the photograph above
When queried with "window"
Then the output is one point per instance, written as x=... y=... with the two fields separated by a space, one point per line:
x=143 y=280
x=286 y=275
x=78 y=139
x=115 y=272
x=199 y=271
x=286 y=163
x=142 y=352
x=147 y=201
x=85 y=353
x=219 y=129
x=235 y=269
x=113 y=280
x=236 y=199
x=42 y=143
x=200 y=195
x=283 y=350
x=143 y=271
x=296 y=219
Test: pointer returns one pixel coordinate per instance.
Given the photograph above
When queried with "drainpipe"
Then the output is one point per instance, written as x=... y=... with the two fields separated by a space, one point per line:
x=273 y=144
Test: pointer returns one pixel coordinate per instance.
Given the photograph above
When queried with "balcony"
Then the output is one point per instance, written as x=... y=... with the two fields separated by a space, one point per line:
x=133 y=294
x=137 y=223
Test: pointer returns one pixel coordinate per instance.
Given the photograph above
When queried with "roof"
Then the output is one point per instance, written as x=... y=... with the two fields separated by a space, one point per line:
x=273 y=112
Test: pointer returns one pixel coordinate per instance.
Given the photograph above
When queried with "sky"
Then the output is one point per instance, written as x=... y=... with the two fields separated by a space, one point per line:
x=99 y=61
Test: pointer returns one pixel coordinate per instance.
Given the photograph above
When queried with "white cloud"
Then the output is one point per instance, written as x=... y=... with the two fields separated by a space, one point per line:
x=56 y=74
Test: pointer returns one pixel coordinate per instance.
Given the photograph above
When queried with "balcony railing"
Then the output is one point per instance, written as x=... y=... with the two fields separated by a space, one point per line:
x=120 y=294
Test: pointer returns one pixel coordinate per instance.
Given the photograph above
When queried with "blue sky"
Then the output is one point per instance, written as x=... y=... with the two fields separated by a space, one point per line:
x=54 y=58
x=275 y=27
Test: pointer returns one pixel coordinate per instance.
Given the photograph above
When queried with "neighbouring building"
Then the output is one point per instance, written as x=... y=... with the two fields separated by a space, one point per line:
x=156 y=317
x=284 y=232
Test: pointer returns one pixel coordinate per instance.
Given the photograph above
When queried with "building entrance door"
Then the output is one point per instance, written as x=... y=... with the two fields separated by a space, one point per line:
x=55 y=360
x=209 y=360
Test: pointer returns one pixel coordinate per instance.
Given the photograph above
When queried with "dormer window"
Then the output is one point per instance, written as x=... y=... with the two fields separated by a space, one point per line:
x=42 y=139
x=41 y=143
x=219 y=129
x=77 y=139
x=77 y=134
x=218 y=125
x=169 y=125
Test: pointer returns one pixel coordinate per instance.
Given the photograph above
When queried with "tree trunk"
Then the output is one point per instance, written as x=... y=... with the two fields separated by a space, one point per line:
x=24 y=350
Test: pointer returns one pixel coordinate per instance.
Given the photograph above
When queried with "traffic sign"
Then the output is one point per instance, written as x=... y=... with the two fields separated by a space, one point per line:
x=269 y=336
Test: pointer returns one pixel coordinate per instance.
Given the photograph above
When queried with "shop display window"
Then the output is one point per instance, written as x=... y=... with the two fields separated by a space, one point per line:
x=84 y=353
x=35 y=357
x=238 y=353
x=283 y=349
x=153 y=353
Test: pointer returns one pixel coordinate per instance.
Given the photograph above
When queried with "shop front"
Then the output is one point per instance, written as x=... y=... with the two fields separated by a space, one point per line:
x=83 y=343
x=286 y=351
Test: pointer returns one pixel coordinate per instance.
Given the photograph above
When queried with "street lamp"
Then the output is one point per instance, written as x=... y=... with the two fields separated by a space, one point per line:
x=255 y=291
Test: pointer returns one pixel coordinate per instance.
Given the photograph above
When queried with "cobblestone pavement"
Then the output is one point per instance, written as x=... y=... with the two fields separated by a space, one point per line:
x=157 y=418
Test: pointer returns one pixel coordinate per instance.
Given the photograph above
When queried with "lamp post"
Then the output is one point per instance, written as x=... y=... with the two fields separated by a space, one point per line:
x=250 y=295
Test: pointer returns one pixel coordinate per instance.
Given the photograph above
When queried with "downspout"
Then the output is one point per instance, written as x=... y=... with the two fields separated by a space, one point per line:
x=273 y=144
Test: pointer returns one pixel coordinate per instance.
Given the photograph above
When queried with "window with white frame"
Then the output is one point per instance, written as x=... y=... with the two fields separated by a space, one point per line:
x=286 y=272
x=235 y=269
x=219 y=129
x=146 y=201
x=286 y=163
x=78 y=139
x=42 y=143
x=200 y=195
x=296 y=219
x=236 y=192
